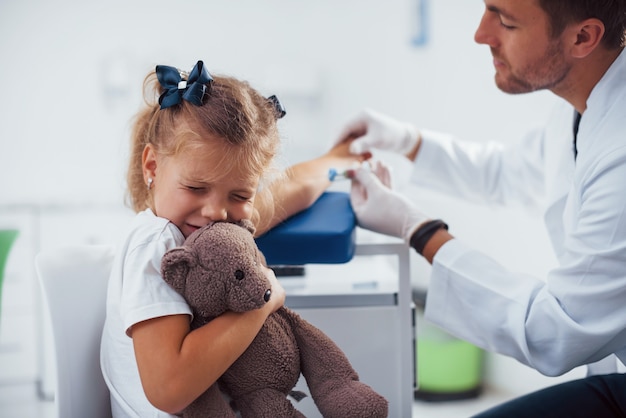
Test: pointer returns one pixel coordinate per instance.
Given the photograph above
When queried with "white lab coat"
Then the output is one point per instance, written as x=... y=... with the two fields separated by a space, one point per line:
x=577 y=315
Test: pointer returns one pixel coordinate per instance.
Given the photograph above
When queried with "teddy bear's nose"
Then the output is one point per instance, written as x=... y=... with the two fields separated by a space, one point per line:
x=267 y=295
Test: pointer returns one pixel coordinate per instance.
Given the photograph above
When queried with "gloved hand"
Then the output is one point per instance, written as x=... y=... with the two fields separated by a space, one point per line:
x=375 y=130
x=380 y=209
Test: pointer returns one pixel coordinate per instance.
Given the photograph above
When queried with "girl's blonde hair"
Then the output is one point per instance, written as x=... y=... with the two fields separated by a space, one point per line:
x=234 y=118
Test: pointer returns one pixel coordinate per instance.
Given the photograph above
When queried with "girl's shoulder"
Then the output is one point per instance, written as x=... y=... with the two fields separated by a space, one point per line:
x=149 y=230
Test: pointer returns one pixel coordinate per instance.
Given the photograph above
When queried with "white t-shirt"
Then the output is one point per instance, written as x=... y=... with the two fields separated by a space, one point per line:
x=136 y=293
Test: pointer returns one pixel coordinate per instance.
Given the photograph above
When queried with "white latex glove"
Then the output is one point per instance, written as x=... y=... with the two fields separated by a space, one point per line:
x=375 y=130
x=380 y=209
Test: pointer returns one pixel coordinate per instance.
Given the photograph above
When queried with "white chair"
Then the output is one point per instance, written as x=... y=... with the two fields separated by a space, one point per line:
x=74 y=282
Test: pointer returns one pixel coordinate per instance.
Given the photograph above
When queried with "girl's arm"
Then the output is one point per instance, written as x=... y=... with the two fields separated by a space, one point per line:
x=303 y=184
x=177 y=365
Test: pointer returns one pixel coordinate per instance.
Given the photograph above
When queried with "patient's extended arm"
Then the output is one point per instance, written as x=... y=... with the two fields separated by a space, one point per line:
x=302 y=184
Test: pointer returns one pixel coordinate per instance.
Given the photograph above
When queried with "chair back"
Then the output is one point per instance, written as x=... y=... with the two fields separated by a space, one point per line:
x=74 y=283
x=7 y=237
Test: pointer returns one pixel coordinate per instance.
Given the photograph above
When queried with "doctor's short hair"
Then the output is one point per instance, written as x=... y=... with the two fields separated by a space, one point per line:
x=611 y=12
x=233 y=117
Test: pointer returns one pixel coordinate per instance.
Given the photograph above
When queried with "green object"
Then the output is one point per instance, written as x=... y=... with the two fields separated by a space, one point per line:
x=447 y=368
x=7 y=237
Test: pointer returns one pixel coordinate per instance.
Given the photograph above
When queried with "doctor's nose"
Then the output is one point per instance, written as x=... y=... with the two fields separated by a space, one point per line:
x=483 y=34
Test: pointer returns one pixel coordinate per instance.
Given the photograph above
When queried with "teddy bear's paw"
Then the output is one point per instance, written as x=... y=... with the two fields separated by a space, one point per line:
x=353 y=400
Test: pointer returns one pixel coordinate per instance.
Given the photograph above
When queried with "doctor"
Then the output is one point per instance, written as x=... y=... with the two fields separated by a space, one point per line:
x=574 y=168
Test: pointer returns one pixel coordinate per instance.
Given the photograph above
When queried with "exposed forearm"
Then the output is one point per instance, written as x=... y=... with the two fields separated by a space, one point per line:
x=412 y=155
x=174 y=375
x=303 y=184
x=429 y=237
x=435 y=243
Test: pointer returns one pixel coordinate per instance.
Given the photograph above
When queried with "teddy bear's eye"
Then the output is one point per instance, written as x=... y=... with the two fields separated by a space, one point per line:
x=239 y=275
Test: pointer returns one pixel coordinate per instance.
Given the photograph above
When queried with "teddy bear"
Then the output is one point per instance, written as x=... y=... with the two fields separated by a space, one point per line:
x=218 y=269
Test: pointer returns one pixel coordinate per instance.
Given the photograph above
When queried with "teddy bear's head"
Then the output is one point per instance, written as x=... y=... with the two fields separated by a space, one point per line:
x=219 y=268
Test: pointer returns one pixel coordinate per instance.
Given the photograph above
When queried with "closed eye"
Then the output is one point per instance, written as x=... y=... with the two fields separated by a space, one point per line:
x=502 y=14
x=195 y=189
x=505 y=26
x=241 y=197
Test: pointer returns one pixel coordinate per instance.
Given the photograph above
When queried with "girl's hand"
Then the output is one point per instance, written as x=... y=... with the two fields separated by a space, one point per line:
x=341 y=157
x=277 y=300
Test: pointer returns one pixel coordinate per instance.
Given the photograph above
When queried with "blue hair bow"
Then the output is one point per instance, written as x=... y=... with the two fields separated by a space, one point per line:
x=279 y=109
x=179 y=85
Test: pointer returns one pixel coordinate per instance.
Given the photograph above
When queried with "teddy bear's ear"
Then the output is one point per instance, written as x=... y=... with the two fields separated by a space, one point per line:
x=262 y=258
x=175 y=266
x=247 y=224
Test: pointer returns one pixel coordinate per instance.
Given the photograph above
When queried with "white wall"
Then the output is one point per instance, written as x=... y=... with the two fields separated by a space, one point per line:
x=72 y=76
x=72 y=72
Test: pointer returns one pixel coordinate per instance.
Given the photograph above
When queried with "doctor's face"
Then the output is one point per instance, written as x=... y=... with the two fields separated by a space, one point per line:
x=525 y=56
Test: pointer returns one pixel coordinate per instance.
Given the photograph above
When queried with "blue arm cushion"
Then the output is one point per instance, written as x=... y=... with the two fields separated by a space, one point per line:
x=325 y=233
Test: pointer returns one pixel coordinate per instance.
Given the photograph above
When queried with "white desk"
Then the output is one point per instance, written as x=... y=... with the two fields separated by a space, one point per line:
x=365 y=306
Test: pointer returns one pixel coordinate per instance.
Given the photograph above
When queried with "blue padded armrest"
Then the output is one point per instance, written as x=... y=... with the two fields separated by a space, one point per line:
x=322 y=234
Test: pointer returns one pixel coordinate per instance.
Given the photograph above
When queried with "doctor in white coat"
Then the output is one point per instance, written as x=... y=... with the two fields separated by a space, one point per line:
x=574 y=168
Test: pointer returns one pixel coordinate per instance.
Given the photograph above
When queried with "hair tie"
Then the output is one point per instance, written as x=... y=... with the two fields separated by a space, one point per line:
x=180 y=85
x=279 y=109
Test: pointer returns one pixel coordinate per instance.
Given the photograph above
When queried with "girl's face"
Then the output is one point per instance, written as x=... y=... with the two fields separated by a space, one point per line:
x=188 y=191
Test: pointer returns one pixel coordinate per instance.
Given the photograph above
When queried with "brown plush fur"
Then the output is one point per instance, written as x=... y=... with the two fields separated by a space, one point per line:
x=217 y=270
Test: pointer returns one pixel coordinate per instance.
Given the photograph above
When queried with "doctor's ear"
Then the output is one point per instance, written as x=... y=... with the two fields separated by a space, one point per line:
x=588 y=35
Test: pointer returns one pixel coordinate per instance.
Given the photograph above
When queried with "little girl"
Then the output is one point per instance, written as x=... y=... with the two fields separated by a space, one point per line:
x=198 y=154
